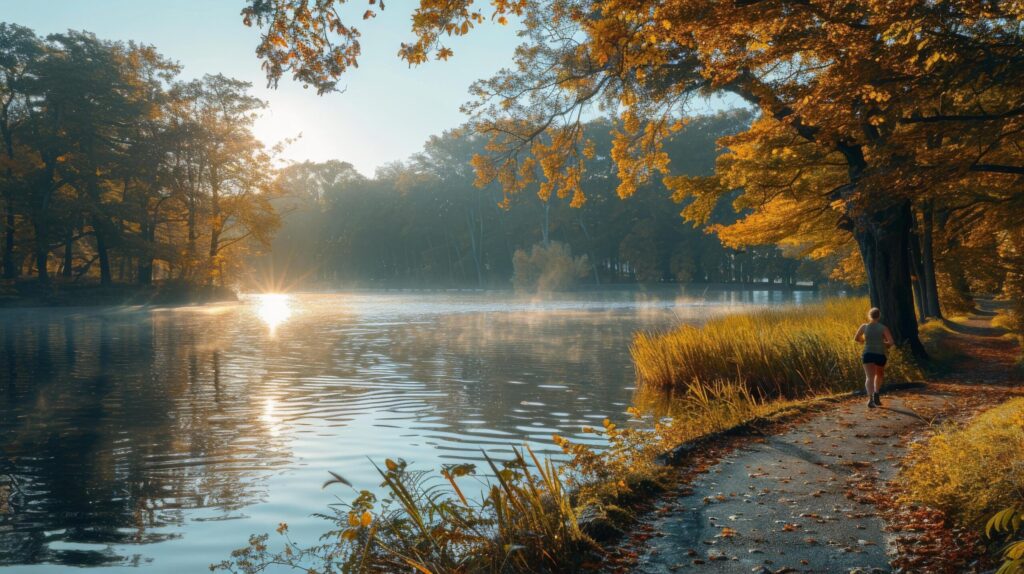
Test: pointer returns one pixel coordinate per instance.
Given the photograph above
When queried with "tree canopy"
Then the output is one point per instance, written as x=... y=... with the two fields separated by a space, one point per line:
x=878 y=121
x=111 y=162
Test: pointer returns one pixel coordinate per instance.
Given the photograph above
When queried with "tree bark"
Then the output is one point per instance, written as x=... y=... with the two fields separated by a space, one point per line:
x=929 y=285
x=883 y=238
x=917 y=274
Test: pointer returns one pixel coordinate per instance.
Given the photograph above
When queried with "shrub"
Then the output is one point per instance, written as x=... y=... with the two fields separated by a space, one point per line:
x=781 y=352
x=525 y=522
x=548 y=267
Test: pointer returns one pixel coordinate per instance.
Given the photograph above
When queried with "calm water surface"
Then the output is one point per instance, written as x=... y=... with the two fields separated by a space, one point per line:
x=163 y=438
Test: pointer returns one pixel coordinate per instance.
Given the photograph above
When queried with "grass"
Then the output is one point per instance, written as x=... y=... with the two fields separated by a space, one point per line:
x=972 y=471
x=974 y=474
x=787 y=352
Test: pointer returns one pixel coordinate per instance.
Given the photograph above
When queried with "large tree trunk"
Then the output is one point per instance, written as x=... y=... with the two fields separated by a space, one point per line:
x=884 y=241
x=928 y=283
x=917 y=274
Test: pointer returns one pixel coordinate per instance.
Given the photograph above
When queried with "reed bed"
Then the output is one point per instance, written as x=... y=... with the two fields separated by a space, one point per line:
x=787 y=352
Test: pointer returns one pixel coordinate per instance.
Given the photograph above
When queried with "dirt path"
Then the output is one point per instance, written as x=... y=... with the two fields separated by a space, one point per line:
x=788 y=503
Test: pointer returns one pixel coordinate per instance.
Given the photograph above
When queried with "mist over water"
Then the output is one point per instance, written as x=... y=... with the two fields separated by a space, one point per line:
x=164 y=437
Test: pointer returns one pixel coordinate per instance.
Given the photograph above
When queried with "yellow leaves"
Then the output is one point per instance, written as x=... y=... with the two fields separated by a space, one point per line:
x=936 y=57
x=360 y=520
x=444 y=53
x=872 y=94
x=589 y=149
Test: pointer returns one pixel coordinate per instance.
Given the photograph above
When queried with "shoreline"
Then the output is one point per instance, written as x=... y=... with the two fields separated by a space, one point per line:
x=28 y=295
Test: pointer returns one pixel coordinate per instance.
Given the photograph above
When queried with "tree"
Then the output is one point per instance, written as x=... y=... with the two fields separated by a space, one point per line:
x=20 y=50
x=106 y=157
x=867 y=90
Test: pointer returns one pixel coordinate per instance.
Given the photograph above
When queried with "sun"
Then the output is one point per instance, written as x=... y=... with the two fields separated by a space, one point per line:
x=273 y=309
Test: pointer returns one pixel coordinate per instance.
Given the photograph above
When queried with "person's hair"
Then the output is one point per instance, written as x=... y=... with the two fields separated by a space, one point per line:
x=875 y=313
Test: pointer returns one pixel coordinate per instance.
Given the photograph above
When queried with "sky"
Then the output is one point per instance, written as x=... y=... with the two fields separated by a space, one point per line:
x=386 y=112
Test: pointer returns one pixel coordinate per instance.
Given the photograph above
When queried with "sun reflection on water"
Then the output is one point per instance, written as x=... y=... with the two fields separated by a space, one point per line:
x=273 y=309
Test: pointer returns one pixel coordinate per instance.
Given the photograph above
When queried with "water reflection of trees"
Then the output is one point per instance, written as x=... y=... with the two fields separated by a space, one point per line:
x=113 y=425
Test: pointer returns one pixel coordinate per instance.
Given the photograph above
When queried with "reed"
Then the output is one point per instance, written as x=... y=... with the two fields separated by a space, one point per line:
x=787 y=352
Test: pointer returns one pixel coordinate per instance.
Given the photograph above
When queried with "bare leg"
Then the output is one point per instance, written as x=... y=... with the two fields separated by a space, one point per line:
x=879 y=375
x=869 y=378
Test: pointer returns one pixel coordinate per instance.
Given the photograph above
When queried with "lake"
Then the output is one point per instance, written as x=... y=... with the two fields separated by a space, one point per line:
x=162 y=438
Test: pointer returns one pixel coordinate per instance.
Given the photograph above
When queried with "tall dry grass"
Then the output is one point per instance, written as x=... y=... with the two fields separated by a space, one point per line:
x=790 y=352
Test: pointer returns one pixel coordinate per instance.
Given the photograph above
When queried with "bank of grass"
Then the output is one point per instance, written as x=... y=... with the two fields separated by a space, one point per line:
x=974 y=473
x=1011 y=318
x=532 y=515
x=787 y=352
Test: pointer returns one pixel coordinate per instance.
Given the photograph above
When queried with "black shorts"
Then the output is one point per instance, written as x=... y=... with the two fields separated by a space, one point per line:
x=874 y=359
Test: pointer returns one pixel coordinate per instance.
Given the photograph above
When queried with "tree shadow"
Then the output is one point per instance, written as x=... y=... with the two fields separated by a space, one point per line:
x=976 y=330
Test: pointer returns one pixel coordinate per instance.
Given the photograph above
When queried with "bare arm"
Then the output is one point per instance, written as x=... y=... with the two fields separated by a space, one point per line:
x=887 y=336
x=859 y=337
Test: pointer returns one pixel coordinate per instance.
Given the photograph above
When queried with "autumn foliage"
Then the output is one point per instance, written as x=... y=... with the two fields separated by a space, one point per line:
x=889 y=131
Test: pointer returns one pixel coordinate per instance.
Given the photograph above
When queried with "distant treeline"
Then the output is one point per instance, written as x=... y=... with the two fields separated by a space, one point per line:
x=114 y=169
x=423 y=222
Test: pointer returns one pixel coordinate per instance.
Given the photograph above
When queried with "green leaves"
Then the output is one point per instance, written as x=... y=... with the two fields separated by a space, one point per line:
x=1009 y=520
x=1006 y=520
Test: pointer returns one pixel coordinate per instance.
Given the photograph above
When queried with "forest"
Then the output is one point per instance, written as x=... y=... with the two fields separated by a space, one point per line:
x=424 y=223
x=117 y=170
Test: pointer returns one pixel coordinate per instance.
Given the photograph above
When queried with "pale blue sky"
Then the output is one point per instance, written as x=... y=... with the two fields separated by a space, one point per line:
x=386 y=113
